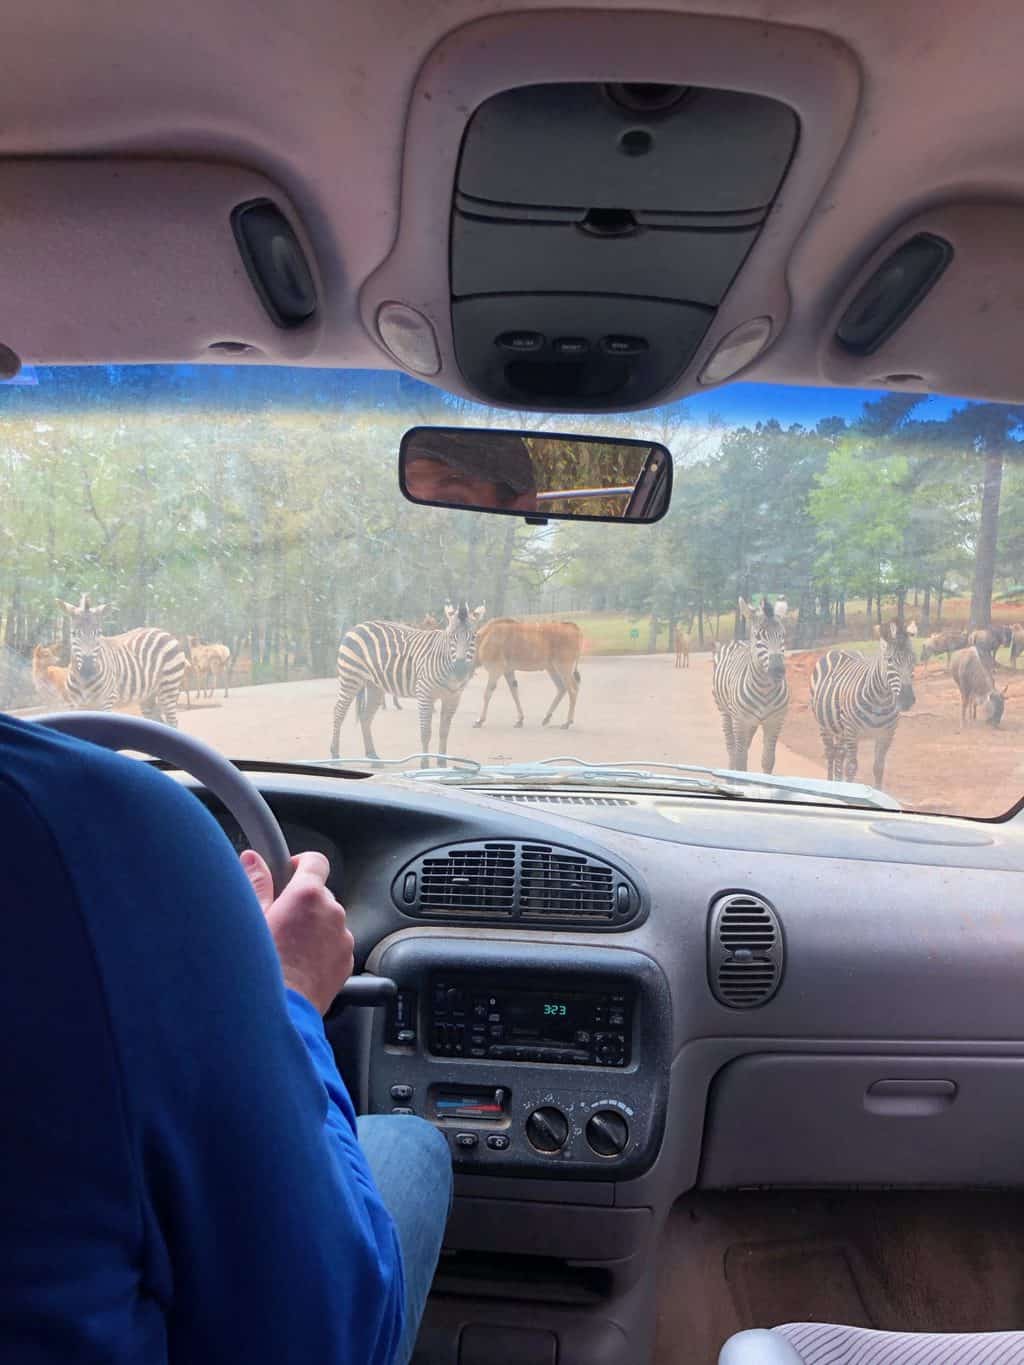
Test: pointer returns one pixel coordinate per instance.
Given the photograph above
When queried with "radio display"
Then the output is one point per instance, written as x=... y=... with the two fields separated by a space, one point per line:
x=478 y=1017
x=534 y=1016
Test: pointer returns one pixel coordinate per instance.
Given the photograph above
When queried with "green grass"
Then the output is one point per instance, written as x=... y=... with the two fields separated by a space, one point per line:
x=609 y=632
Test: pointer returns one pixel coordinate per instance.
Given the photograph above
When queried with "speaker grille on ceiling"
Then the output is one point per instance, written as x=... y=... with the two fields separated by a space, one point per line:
x=745 y=950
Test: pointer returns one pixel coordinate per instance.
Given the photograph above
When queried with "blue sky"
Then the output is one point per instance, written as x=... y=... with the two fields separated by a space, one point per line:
x=735 y=404
x=745 y=404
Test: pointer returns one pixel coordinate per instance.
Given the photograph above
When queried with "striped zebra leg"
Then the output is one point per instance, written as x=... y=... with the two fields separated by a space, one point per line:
x=847 y=757
x=770 y=732
x=881 y=749
x=449 y=705
x=370 y=701
x=425 y=706
x=828 y=743
x=730 y=738
x=346 y=695
x=742 y=735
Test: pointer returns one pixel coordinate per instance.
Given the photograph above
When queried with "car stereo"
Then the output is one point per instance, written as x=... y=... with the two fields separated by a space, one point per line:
x=475 y=1016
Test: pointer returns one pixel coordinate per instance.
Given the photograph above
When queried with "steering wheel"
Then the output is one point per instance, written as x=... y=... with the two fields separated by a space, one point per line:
x=228 y=784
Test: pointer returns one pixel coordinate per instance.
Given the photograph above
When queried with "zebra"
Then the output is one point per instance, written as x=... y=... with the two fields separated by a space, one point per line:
x=145 y=665
x=853 y=697
x=748 y=682
x=380 y=657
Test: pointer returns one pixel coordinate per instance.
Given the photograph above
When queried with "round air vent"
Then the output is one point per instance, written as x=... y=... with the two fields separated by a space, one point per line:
x=745 y=950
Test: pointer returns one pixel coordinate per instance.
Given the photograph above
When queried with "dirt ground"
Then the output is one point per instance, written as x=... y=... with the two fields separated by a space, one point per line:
x=641 y=707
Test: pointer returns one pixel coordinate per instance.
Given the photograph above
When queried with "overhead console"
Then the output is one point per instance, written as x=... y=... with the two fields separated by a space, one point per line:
x=596 y=229
x=592 y=209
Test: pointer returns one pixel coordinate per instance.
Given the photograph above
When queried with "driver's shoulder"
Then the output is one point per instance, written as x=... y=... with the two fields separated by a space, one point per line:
x=68 y=779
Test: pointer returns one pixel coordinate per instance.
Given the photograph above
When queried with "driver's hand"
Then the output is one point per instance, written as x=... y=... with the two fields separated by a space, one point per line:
x=307 y=925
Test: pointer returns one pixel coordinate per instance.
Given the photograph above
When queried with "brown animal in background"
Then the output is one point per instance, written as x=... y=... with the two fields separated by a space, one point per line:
x=211 y=664
x=51 y=681
x=909 y=629
x=505 y=646
x=943 y=642
x=990 y=639
x=1016 y=643
x=972 y=670
x=683 y=646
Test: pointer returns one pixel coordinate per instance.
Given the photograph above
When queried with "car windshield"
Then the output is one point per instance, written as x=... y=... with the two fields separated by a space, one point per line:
x=834 y=594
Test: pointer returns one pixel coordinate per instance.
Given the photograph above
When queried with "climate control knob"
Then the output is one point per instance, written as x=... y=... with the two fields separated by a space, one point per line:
x=547 y=1129
x=607 y=1132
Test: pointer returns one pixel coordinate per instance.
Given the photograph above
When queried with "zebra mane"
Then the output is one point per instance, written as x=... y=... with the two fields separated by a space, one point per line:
x=767 y=608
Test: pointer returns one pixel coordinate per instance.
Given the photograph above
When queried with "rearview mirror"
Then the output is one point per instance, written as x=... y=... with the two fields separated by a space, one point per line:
x=536 y=475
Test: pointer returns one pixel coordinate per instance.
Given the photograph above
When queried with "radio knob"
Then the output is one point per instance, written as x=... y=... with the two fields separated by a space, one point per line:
x=547 y=1129
x=607 y=1133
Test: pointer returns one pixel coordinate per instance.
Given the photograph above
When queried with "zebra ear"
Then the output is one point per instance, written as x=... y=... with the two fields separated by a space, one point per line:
x=480 y=612
x=449 y=610
x=745 y=608
x=66 y=607
x=912 y=628
x=100 y=609
x=781 y=607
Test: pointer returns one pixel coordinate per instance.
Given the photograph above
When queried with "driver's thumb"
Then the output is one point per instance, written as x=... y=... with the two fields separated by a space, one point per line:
x=259 y=877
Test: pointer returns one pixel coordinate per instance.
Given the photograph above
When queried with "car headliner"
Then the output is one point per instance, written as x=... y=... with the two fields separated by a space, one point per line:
x=172 y=114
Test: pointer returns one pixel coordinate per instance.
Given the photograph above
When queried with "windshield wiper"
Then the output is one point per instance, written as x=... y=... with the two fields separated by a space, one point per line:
x=671 y=777
x=462 y=764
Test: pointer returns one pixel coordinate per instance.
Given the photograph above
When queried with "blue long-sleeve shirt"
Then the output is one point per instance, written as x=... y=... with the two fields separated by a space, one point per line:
x=180 y=1178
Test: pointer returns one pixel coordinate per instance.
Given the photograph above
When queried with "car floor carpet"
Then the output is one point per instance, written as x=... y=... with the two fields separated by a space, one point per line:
x=913 y=1261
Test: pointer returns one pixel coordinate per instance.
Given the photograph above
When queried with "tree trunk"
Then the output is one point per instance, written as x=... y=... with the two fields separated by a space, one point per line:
x=499 y=591
x=926 y=610
x=700 y=618
x=869 y=607
x=988 y=532
x=878 y=604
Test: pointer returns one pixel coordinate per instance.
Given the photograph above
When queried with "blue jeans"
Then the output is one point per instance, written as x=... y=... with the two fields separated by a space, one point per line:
x=412 y=1167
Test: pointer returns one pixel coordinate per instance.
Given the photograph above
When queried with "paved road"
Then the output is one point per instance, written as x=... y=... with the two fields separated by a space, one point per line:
x=630 y=707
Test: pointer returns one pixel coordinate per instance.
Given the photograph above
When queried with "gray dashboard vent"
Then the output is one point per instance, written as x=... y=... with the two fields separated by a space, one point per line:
x=745 y=950
x=534 y=883
x=556 y=882
x=480 y=878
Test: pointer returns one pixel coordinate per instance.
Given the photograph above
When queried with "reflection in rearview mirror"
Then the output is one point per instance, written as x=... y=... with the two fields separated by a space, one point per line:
x=536 y=475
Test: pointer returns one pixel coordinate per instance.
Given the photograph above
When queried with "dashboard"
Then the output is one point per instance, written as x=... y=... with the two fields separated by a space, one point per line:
x=604 y=1006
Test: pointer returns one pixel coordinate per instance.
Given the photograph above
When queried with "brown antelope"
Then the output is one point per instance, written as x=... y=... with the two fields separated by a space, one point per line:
x=505 y=646
x=1017 y=644
x=210 y=665
x=51 y=681
x=972 y=670
x=683 y=646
